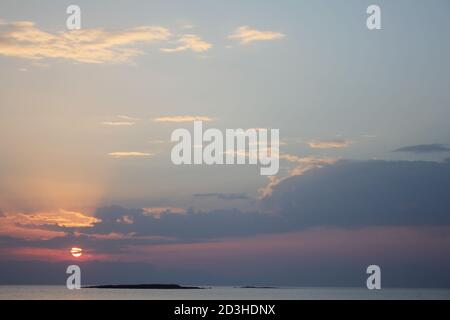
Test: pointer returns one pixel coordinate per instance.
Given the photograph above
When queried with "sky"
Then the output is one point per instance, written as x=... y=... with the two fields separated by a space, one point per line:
x=86 y=118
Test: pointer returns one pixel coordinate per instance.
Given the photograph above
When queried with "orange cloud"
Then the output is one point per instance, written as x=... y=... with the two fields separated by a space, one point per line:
x=246 y=35
x=182 y=119
x=129 y=154
x=329 y=144
x=24 y=40
x=28 y=225
x=118 y=123
x=190 y=42
x=301 y=165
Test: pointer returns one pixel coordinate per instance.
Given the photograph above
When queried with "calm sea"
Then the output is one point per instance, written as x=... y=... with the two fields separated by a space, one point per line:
x=219 y=293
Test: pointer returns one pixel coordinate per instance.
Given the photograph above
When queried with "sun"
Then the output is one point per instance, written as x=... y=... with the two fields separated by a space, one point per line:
x=76 y=252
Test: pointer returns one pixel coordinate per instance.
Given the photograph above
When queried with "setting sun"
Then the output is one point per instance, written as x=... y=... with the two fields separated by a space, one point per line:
x=76 y=252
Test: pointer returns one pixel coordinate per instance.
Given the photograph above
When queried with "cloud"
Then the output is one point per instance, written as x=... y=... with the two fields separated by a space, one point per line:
x=343 y=195
x=329 y=144
x=301 y=165
x=185 y=225
x=246 y=35
x=124 y=117
x=346 y=194
x=424 y=148
x=189 y=42
x=182 y=119
x=367 y=193
x=157 y=212
x=223 y=196
x=352 y=211
x=63 y=218
x=123 y=120
x=349 y=212
x=43 y=224
x=118 y=123
x=129 y=154
x=25 y=40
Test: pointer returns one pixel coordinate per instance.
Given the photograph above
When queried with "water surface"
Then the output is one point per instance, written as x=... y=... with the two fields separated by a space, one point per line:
x=219 y=293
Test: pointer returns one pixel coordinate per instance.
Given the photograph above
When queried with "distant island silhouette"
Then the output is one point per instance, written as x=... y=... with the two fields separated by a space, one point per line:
x=257 y=287
x=163 y=286
x=142 y=286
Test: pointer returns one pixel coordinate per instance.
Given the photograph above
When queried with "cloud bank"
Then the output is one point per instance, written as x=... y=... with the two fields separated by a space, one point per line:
x=358 y=211
x=424 y=148
x=223 y=196
x=346 y=194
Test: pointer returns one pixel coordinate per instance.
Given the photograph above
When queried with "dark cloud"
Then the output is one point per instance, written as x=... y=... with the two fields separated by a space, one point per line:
x=346 y=194
x=193 y=225
x=223 y=196
x=424 y=148
x=367 y=193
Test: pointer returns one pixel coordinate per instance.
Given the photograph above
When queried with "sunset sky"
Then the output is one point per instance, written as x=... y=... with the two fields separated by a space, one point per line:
x=86 y=118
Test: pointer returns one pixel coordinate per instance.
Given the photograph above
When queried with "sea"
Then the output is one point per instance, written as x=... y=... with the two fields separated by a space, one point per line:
x=219 y=293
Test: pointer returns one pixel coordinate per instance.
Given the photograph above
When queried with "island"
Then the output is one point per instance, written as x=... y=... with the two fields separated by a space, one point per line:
x=257 y=287
x=141 y=286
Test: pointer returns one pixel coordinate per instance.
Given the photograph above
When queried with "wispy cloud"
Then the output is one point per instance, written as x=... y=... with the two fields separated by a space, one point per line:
x=125 y=219
x=118 y=123
x=300 y=166
x=189 y=42
x=25 y=40
x=157 y=212
x=246 y=35
x=129 y=154
x=124 y=117
x=158 y=141
x=424 y=148
x=182 y=118
x=303 y=164
x=223 y=196
x=329 y=144
x=122 y=121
